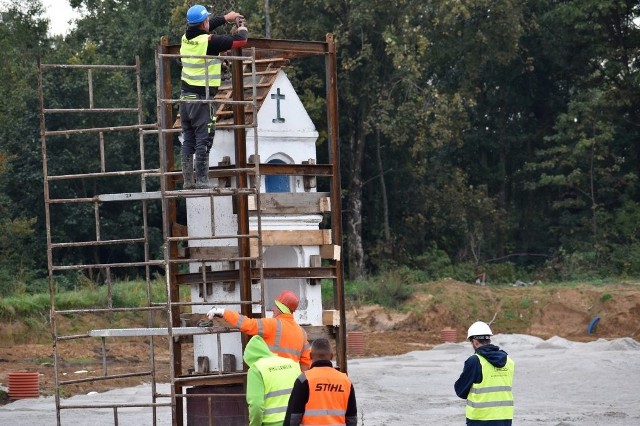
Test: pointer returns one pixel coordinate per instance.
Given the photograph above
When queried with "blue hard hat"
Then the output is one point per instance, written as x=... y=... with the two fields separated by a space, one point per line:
x=197 y=14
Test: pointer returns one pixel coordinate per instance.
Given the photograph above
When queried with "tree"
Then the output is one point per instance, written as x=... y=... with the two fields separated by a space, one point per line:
x=22 y=38
x=589 y=163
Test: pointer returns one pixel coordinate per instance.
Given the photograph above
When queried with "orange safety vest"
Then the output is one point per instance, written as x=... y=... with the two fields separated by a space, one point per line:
x=329 y=391
x=283 y=335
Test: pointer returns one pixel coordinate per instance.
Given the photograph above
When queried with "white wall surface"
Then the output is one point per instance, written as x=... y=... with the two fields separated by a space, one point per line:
x=287 y=133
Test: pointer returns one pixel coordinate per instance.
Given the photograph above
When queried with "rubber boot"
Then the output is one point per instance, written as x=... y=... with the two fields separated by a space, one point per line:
x=202 y=172
x=187 y=173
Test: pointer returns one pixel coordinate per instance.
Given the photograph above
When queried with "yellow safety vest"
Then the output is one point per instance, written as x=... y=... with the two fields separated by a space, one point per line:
x=193 y=69
x=492 y=399
x=278 y=376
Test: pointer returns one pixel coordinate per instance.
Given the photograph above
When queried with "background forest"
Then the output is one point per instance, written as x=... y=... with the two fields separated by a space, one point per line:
x=497 y=136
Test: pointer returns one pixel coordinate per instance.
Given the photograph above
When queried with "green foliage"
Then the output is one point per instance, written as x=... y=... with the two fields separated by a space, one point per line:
x=111 y=32
x=526 y=303
x=22 y=38
x=502 y=273
x=134 y=293
x=624 y=260
x=44 y=360
x=606 y=297
x=464 y=271
x=24 y=305
x=584 y=266
x=504 y=128
x=125 y=295
x=6 y=308
x=390 y=288
x=354 y=291
x=434 y=263
x=327 y=294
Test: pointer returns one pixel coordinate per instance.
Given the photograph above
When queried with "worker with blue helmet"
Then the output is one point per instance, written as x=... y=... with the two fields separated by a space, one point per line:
x=200 y=80
x=196 y=14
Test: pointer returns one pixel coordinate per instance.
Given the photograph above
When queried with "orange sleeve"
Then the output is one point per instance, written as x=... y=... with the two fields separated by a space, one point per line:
x=305 y=357
x=250 y=326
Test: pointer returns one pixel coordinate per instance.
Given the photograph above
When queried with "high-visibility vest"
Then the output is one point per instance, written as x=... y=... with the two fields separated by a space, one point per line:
x=492 y=399
x=278 y=376
x=283 y=335
x=329 y=391
x=193 y=69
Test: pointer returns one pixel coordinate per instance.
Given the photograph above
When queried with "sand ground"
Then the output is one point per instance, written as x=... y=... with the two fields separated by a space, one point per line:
x=558 y=382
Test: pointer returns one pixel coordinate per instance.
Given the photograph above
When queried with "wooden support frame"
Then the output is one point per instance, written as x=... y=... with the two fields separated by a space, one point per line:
x=311 y=237
x=292 y=203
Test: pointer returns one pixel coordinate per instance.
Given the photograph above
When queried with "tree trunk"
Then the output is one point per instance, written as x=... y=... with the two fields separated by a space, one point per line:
x=355 y=251
x=383 y=189
x=267 y=20
x=592 y=195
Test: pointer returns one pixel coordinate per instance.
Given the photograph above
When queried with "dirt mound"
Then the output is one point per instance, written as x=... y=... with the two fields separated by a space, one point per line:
x=543 y=311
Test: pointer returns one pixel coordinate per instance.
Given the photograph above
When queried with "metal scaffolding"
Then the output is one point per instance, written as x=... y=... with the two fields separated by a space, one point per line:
x=155 y=191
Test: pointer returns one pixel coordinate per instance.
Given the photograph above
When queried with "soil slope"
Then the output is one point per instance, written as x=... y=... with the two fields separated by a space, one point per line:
x=539 y=310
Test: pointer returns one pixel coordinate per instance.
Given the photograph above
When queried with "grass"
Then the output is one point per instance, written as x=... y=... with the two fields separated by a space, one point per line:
x=124 y=295
x=44 y=360
x=526 y=303
x=606 y=297
x=391 y=288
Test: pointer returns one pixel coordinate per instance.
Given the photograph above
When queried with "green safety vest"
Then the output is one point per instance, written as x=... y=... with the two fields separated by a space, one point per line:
x=278 y=376
x=492 y=399
x=193 y=69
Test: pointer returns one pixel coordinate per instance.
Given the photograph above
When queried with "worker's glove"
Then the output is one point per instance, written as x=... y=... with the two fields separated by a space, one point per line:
x=232 y=16
x=215 y=312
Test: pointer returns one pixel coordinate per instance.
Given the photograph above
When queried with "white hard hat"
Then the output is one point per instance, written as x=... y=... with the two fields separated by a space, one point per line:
x=479 y=328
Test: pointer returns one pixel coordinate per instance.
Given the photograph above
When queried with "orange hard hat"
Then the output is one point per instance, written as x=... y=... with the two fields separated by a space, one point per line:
x=288 y=299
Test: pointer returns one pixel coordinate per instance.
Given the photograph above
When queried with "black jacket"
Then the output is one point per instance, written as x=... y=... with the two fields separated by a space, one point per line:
x=300 y=397
x=217 y=44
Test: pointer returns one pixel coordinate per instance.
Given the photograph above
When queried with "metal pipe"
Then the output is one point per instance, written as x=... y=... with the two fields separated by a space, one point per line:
x=99 y=129
x=101 y=378
x=47 y=213
x=104 y=265
x=105 y=310
x=98 y=243
x=336 y=217
x=143 y=172
x=121 y=405
x=83 y=110
x=85 y=67
x=90 y=81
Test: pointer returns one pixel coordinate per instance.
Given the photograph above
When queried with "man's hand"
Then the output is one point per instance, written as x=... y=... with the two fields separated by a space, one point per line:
x=231 y=16
x=215 y=312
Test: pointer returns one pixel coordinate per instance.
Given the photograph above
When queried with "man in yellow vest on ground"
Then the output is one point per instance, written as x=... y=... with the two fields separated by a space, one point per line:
x=269 y=382
x=200 y=80
x=486 y=381
x=322 y=395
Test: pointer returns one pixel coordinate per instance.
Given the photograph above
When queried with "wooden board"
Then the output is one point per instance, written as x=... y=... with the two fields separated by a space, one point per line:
x=331 y=251
x=331 y=317
x=292 y=203
x=212 y=253
x=316 y=332
x=314 y=237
